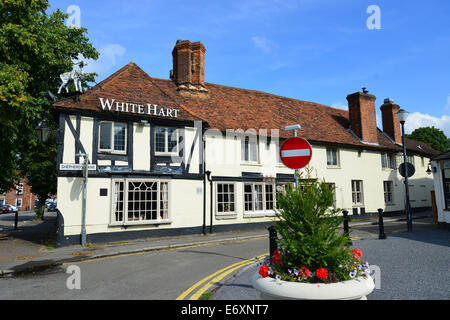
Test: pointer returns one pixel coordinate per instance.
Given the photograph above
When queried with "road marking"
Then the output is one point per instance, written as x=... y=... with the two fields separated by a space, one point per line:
x=218 y=276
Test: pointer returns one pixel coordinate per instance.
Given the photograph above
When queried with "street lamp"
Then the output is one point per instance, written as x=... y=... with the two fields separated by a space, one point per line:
x=83 y=208
x=402 y=115
x=43 y=131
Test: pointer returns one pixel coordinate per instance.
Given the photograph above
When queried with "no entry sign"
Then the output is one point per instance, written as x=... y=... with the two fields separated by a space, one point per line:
x=295 y=153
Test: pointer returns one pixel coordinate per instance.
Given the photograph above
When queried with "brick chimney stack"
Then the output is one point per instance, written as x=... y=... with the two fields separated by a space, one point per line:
x=189 y=68
x=391 y=125
x=362 y=116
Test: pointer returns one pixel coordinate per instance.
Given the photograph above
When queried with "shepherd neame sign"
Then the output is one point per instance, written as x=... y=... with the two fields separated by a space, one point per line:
x=147 y=109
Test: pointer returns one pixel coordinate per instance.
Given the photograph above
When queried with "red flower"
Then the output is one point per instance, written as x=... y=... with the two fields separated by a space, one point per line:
x=264 y=271
x=322 y=273
x=357 y=254
x=276 y=257
x=304 y=272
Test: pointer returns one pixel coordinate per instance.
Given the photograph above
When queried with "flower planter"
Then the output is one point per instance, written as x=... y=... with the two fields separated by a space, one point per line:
x=270 y=288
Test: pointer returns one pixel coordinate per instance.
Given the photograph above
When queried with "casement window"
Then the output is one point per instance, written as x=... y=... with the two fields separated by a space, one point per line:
x=333 y=157
x=112 y=137
x=19 y=203
x=388 y=192
x=166 y=140
x=225 y=198
x=357 y=192
x=259 y=197
x=249 y=149
x=388 y=161
x=140 y=202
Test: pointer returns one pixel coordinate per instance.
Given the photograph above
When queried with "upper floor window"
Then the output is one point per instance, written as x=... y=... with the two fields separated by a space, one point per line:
x=113 y=137
x=332 y=157
x=166 y=140
x=249 y=149
x=387 y=161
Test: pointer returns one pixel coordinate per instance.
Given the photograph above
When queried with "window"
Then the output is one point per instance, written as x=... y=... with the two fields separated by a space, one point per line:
x=113 y=137
x=332 y=157
x=225 y=198
x=258 y=197
x=388 y=161
x=410 y=159
x=249 y=149
x=332 y=186
x=166 y=140
x=19 y=203
x=387 y=186
x=138 y=201
x=357 y=192
x=446 y=176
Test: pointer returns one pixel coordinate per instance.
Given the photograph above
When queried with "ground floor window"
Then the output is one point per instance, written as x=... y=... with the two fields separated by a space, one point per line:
x=258 y=197
x=446 y=176
x=357 y=192
x=19 y=203
x=225 y=198
x=387 y=186
x=136 y=201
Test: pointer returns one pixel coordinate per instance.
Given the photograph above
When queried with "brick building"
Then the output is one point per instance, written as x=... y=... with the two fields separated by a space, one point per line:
x=21 y=197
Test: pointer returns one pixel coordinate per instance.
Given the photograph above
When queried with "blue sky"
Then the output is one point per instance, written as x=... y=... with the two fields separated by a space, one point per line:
x=314 y=50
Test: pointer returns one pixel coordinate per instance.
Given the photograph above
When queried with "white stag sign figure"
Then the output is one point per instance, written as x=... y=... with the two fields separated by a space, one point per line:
x=75 y=76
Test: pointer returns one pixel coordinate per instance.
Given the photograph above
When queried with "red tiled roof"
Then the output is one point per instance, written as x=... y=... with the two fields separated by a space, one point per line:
x=234 y=108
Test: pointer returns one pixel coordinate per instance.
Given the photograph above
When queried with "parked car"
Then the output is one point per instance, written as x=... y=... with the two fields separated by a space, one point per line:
x=8 y=208
x=51 y=206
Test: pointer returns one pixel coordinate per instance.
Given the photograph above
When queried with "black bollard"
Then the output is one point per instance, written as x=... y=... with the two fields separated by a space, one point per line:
x=381 y=235
x=16 y=220
x=272 y=241
x=346 y=228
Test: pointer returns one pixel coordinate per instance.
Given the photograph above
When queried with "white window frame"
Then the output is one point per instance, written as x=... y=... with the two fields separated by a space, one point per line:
x=19 y=189
x=355 y=192
x=265 y=211
x=225 y=214
x=19 y=206
x=166 y=151
x=246 y=149
x=338 y=160
x=125 y=221
x=112 y=150
x=387 y=192
x=388 y=161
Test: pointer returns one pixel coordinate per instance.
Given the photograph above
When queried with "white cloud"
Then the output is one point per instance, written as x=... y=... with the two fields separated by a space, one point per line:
x=107 y=59
x=264 y=44
x=418 y=120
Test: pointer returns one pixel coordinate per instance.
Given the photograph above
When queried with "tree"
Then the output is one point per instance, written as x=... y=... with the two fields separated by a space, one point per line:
x=432 y=136
x=35 y=48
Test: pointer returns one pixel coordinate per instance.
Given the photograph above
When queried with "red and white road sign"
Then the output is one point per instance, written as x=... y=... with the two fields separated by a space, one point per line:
x=295 y=153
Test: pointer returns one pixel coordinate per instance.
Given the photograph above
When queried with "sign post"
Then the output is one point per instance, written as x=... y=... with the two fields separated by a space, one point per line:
x=296 y=153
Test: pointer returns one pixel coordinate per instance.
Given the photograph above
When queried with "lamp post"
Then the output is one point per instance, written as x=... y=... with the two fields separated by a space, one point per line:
x=402 y=115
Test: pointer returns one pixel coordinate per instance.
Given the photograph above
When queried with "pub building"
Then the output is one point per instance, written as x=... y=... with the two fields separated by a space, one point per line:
x=182 y=156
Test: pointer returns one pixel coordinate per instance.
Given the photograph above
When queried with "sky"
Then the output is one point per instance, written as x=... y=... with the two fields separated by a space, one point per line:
x=312 y=50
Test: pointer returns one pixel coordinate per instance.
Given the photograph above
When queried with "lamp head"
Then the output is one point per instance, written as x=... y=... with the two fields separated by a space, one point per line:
x=402 y=115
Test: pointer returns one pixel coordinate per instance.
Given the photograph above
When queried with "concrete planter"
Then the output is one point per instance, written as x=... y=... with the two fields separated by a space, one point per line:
x=270 y=288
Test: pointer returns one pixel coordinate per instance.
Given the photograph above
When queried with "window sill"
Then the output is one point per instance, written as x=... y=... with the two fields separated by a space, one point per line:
x=166 y=154
x=140 y=223
x=334 y=167
x=256 y=164
x=225 y=216
x=121 y=153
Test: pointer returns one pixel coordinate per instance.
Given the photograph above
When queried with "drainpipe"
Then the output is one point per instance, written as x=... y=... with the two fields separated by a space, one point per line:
x=204 y=183
x=208 y=173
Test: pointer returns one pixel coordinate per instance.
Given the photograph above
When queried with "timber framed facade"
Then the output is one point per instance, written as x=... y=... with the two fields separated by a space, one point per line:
x=184 y=156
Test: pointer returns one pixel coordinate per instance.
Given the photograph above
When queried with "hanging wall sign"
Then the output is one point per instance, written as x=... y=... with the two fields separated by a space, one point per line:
x=144 y=109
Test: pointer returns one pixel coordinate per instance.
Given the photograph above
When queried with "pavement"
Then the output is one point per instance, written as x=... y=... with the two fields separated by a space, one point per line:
x=31 y=248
